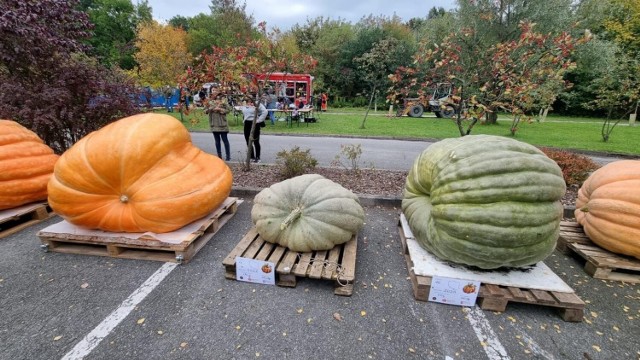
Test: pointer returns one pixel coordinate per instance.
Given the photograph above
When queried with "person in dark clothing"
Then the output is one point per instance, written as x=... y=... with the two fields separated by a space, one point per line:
x=217 y=107
x=250 y=112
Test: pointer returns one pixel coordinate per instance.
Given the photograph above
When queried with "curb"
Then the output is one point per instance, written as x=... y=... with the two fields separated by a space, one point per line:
x=368 y=200
x=365 y=200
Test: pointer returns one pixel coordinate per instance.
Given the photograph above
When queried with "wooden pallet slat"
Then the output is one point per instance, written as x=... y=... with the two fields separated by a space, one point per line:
x=290 y=265
x=143 y=248
x=493 y=297
x=23 y=217
x=599 y=263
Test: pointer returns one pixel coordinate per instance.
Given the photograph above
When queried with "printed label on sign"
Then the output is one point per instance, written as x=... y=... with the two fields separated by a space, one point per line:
x=454 y=291
x=255 y=271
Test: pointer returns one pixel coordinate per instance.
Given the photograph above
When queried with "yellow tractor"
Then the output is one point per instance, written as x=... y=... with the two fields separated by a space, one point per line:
x=441 y=103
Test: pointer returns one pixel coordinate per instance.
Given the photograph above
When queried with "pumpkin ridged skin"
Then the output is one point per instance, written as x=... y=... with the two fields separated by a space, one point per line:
x=138 y=174
x=26 y=164
x=608 y=207
x=485 y=201
x=329 y=214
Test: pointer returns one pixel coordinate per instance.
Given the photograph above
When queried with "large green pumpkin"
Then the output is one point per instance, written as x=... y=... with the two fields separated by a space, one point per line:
x=485 y=201
x=306 y=213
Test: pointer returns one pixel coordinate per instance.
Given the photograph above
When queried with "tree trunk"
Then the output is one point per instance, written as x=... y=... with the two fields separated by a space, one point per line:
x=491 y=117
x=368 y=107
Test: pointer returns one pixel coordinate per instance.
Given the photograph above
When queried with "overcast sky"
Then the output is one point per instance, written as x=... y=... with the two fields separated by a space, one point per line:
x=285 y=13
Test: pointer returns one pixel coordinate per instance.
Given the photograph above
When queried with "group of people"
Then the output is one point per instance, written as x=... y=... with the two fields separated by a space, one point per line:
x=217 y=107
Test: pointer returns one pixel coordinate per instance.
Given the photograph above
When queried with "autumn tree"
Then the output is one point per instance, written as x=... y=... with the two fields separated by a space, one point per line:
x=47 y=83
x=513 y=76
x=162 y=55
x=233 y=68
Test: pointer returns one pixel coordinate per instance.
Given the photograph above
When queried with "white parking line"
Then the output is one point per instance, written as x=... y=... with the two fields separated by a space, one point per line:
x=89 y=342
x=492 y=346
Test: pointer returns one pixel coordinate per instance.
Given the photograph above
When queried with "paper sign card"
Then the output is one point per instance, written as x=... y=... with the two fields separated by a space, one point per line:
x=255 y=271
x=454 y=291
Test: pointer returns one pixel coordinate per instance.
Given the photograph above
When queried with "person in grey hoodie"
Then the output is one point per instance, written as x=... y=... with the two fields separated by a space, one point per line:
x=251 y=111
x=217 y=107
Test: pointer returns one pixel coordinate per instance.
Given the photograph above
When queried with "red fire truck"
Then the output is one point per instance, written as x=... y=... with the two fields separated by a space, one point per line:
x=290 y=88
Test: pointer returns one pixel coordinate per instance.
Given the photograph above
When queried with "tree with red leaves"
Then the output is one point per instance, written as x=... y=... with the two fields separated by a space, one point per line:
x=232 y=68
x=47 y=83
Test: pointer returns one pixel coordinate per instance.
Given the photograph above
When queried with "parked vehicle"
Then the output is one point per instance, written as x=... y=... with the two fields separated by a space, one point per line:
x=441 y=103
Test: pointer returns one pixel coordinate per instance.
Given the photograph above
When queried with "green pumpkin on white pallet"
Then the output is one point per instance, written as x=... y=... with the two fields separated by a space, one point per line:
x=485 y=201
x=307 y=213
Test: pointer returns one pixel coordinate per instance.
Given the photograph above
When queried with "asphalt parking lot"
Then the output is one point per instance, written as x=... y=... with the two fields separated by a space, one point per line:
x=56 y=306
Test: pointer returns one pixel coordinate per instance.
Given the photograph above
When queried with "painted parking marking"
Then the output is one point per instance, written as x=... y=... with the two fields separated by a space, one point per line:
x=91 y=341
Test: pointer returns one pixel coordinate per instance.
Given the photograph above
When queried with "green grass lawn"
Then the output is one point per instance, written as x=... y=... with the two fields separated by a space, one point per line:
x=558 y=132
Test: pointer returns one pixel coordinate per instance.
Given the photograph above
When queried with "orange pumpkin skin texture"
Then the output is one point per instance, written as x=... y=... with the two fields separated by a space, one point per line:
x=138 y=174
x=26 y=164
x=608 y=207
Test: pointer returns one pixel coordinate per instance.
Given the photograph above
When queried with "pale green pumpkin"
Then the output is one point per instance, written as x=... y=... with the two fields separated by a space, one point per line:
x=306 y=213
x=485 y=201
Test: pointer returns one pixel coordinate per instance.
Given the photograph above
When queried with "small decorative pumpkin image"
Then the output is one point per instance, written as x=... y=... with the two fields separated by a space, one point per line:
x=485 y=201
x=266 y=269
x=26 y=164
x=608 y=207
x=138 y=174
x=307 y=212
x=469 y=288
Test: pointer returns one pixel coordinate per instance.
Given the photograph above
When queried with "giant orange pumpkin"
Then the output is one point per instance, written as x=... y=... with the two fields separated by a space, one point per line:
x=138 y=174
x=26 y=164
x=608 y=207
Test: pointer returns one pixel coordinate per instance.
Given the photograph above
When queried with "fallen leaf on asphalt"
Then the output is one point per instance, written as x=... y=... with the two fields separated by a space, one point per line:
x=257 y=354
x=85 y=285
x=238 y=327
x=412 y=350
x=57 y=338
x=616 y=328
x=299 y=311
x=309 y=321
x=140 y=321
x=363 y=313
x=594 y=314
x=183 y=345
x=160 y=332
x=337 y=316
x=596 y=348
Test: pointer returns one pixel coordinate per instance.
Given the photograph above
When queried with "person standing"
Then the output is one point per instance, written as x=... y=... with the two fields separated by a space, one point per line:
x=323 y=101
x=272 y=105
x=217 y=108
x=168 y=94
x=250 y=112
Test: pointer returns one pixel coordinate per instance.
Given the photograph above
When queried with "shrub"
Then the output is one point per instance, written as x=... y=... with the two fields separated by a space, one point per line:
x=575 y=167
x=295 y=162
x=351 y=155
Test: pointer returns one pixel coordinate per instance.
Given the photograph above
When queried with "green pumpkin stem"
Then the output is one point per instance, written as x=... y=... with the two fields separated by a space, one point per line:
x=584 y=209
x=295 y=213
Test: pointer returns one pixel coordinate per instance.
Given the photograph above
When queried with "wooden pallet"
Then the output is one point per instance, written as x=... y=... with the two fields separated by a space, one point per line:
x=143 y=248
x=24 y=217
x=337 y=264
x=600 y=263
x=495 y=297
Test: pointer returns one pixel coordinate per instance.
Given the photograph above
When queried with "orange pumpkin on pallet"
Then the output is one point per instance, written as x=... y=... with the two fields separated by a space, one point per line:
x=141 y=173
x=608 y=207
x=26 y=164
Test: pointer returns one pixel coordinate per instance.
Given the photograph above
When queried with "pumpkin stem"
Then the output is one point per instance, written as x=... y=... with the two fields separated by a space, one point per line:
x=124 y=199
x=291 y=218
x=584 y=209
